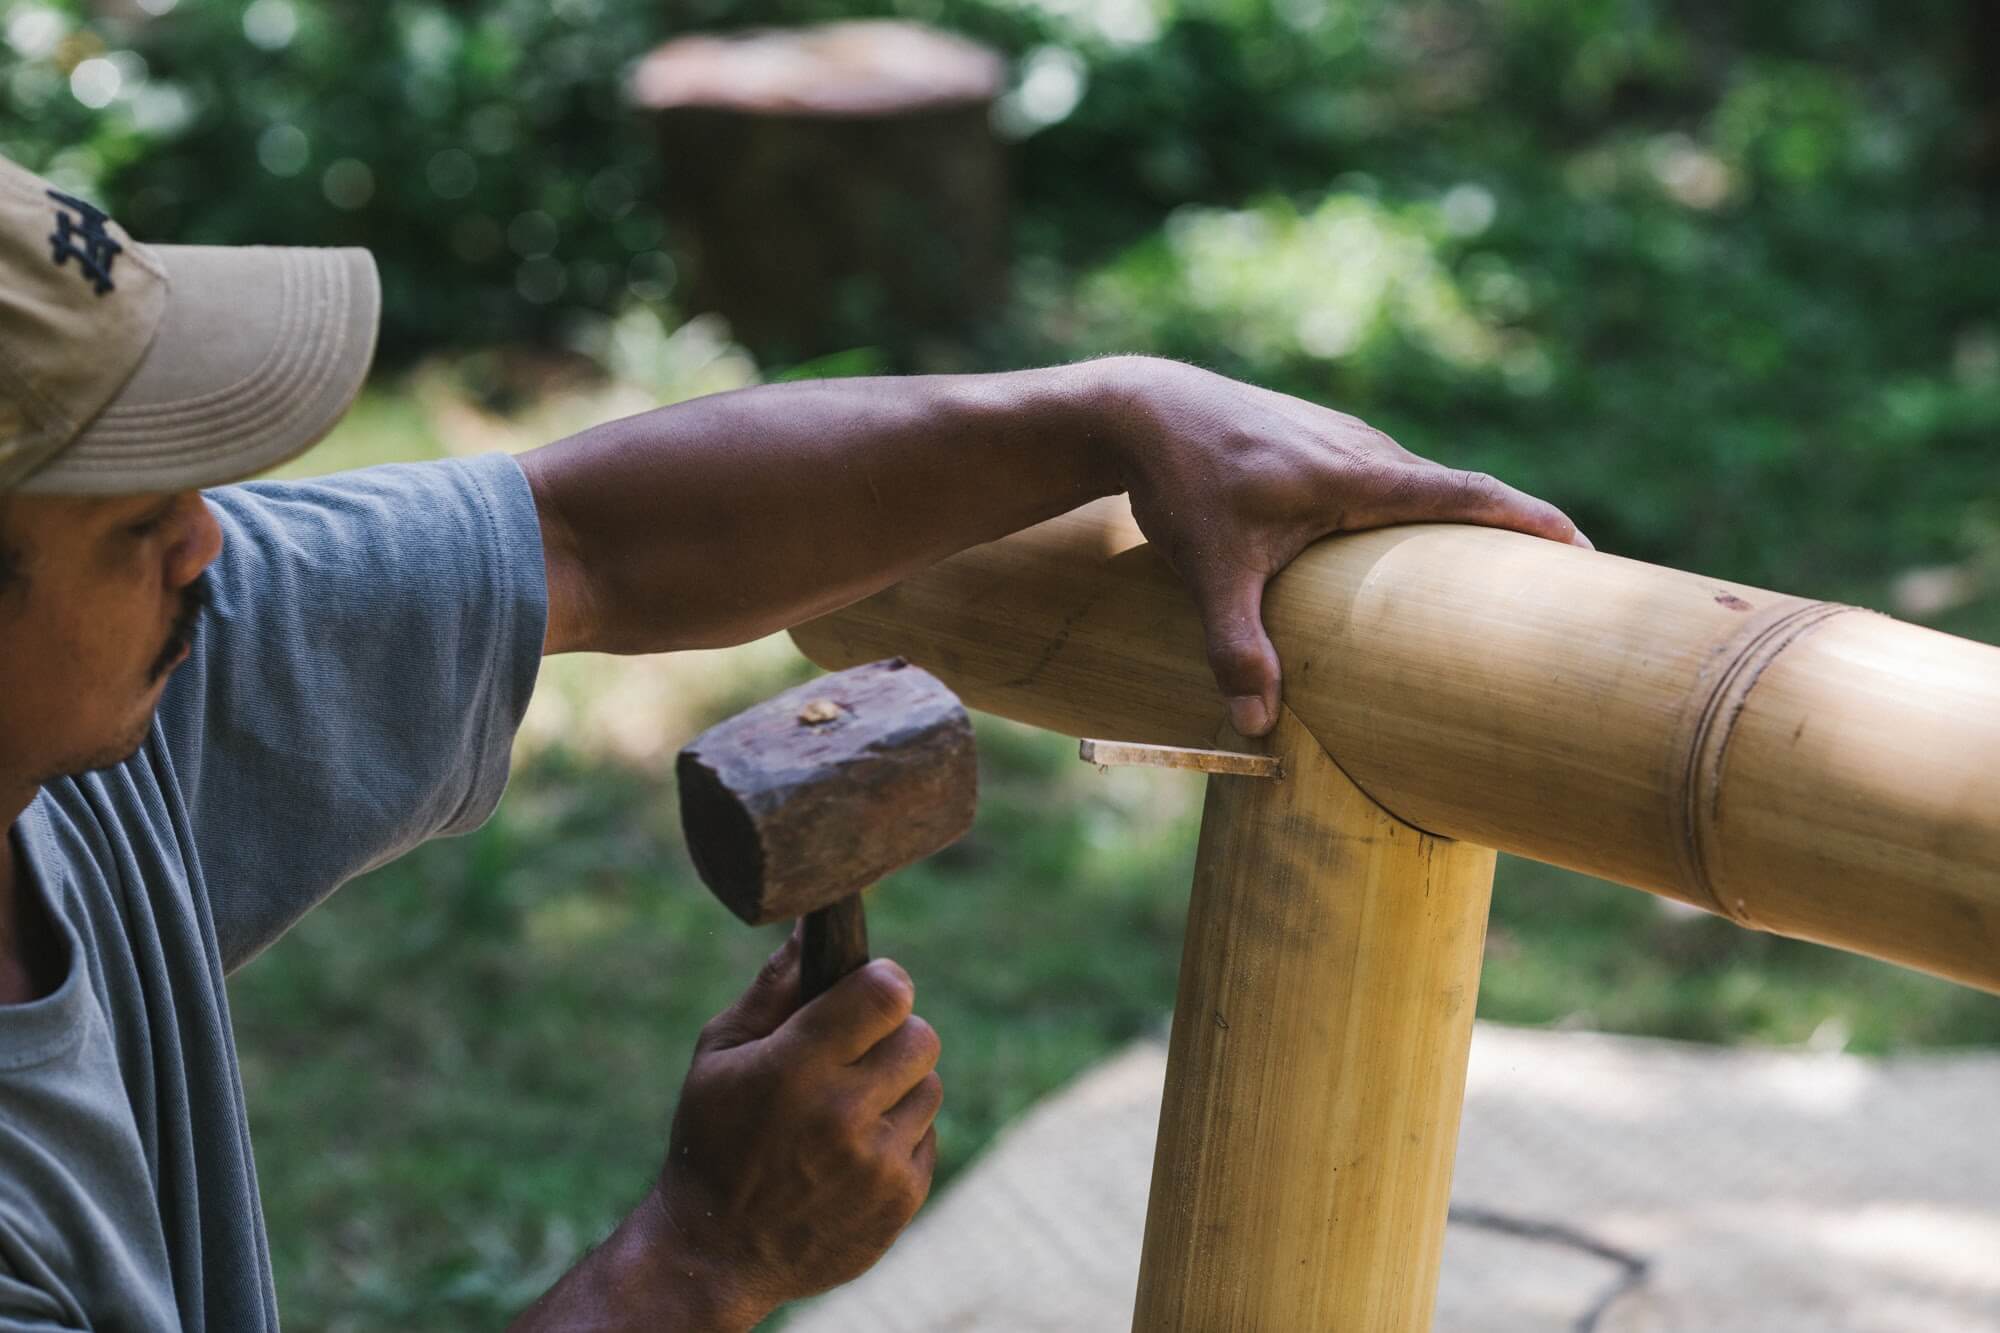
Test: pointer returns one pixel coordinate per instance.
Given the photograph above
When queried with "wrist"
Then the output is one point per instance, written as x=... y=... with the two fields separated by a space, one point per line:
x=675 y=1282
x=1108 y=397
x=645 y=1276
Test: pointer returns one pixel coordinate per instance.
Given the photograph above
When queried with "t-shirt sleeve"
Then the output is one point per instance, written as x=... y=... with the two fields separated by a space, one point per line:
x=356 y=682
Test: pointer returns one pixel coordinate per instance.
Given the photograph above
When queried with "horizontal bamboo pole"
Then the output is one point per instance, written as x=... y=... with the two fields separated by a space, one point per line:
x=1802 y=768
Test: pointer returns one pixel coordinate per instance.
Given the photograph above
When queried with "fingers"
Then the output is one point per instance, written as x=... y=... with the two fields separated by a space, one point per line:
x=857 y=1012
x=910 y=1119
x=1446 y=495
x=1231 y=601
x=758 y=1012
x=898 y=1064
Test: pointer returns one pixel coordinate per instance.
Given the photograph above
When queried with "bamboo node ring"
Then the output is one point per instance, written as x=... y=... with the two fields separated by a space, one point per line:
x=1706 y=732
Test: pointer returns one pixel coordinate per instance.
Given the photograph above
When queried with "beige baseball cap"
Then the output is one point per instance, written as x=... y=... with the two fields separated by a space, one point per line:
x=129 y=368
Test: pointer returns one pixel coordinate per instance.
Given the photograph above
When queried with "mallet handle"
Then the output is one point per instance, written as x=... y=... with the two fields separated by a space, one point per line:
x=836 y=942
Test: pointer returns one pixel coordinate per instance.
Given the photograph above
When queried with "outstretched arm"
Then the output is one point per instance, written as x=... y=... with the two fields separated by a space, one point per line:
x=722 y=519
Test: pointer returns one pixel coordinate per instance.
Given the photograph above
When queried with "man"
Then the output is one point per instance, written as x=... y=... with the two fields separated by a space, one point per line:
x=217 y=707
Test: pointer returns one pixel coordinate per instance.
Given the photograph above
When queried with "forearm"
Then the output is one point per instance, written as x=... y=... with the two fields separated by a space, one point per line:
x=722 y=519
x=642 y=1279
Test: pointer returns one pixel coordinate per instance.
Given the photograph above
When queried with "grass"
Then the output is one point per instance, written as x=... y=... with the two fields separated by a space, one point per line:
x=460 y=1070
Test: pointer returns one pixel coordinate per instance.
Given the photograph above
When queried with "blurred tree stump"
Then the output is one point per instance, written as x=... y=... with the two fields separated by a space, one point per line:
x=837 y=186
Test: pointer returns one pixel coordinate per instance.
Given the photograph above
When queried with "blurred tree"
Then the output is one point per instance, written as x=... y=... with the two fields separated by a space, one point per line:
x=1731 y=267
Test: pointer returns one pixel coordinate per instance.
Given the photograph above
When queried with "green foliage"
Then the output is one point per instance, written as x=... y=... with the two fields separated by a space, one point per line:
x=467 y=146
x=1722 y=286
x=487 y=153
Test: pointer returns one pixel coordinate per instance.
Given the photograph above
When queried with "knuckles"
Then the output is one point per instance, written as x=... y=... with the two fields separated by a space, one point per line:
x=1471 y=490
x=929 y=1094
x=1235 y=658
x=886 y=989
x=901 y=1183
x=843 y=1122
x=924 y=1043
x=913 y=1188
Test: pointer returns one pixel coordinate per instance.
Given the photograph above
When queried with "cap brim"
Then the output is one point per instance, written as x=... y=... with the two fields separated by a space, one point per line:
x=259 y=352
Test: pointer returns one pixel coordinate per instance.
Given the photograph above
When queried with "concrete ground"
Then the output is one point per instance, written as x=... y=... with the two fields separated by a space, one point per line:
x=1680 y=1188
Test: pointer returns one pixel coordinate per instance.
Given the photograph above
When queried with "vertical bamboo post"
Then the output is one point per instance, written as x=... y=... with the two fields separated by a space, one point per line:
x=1317 y=1065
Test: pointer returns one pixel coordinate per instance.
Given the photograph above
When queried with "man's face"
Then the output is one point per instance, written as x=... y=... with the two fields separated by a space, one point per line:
x=102 y=609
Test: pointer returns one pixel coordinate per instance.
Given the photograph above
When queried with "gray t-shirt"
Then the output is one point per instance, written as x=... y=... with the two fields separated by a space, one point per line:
x=353 y=690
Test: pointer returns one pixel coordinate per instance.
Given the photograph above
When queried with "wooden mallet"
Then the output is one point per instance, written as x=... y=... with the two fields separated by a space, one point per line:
x=792 y=807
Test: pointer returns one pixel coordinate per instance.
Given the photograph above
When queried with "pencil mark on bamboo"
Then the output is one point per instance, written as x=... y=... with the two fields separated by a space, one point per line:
x=1054 y=646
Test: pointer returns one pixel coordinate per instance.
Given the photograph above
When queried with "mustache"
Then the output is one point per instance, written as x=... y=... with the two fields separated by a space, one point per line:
x=195 y=598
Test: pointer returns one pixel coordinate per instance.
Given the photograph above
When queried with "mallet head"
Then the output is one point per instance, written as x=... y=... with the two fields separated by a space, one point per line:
x=815 y=794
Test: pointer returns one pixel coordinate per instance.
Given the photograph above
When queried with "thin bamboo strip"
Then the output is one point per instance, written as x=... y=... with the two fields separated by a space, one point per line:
x=1811 y=770
x=1108 y=753
x=1317 y=1065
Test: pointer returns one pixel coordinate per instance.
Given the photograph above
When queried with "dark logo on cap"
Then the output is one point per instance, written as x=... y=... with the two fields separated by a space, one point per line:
x=84 y=239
